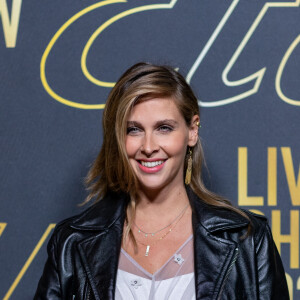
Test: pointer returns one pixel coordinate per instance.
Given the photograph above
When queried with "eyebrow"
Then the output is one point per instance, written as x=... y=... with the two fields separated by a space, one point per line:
x=158 y=123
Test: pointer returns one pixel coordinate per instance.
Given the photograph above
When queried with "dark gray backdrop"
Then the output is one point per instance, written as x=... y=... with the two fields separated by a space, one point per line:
x=242 y=59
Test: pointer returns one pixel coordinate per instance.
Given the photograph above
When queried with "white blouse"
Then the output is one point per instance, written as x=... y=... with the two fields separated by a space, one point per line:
x=173 y=281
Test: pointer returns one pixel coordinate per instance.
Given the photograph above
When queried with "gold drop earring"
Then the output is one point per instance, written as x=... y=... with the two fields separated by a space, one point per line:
x=188 y=175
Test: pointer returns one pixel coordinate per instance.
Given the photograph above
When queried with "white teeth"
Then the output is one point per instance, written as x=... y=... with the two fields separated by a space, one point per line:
x=152 y=163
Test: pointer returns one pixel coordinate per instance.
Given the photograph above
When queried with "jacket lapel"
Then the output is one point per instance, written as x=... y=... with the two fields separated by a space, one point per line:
x=100 y=255
x=212 y=258
x=100 y=251
x=213 y=255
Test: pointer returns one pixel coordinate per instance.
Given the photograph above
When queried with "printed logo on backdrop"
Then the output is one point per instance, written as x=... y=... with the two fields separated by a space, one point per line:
x=10 y=22
x=232 y=90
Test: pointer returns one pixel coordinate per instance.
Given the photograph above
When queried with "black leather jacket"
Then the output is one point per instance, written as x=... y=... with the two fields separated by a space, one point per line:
x=84 y=251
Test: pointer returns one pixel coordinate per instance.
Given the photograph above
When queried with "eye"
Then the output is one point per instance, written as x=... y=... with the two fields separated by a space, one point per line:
x=133 y=130
x=165 y=128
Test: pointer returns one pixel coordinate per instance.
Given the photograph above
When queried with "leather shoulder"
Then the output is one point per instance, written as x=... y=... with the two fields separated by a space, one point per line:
x=260 y=226
x=98 y=217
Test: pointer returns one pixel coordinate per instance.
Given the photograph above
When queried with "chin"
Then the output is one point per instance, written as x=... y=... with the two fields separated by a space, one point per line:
x=151 y=187
x=154 y=185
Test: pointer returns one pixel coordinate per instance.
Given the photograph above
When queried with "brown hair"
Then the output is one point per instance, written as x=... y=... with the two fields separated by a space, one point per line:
x=112 y=170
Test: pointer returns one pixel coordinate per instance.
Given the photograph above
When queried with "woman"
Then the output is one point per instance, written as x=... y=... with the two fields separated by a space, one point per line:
x=157 y=232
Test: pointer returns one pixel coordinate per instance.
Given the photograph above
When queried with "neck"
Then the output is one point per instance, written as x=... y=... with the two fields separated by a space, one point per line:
x=160 y=202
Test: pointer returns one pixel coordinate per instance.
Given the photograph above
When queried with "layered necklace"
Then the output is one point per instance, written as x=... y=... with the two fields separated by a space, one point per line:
x=174 y=223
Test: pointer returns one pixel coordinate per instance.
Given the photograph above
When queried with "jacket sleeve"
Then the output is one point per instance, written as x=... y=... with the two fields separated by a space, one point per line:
x=271 y=276
x=49 y=285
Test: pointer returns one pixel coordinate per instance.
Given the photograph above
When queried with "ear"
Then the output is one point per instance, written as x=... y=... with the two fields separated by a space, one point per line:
x=193 y=131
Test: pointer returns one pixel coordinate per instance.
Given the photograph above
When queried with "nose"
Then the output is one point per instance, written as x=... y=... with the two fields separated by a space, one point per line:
x=149 y=145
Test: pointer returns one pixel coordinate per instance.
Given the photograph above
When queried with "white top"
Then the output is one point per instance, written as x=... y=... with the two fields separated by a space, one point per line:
x=173 y=281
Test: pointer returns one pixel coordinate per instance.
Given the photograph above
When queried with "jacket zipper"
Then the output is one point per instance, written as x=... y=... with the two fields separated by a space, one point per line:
x=228 y=271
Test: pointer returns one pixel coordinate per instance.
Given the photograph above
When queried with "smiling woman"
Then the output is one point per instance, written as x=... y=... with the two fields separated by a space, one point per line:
x=155 y=231
x=157 y=141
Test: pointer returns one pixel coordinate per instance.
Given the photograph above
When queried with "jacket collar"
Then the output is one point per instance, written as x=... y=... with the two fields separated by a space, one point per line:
x=100 y=251
x=213 y=254
x=103 y=214
x=214 y=219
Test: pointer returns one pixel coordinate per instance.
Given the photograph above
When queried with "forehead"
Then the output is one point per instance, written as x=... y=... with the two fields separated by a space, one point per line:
x=160 y=108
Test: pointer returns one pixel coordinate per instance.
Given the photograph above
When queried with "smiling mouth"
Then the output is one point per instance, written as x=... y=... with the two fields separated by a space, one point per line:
x=151 y=164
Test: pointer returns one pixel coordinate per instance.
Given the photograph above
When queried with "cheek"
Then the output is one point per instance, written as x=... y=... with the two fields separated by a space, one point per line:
x=131 y=146
x=177 y=146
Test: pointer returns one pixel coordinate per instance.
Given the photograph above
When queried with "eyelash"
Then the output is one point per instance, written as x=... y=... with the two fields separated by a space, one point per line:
x=163 y=128
x=132 y=129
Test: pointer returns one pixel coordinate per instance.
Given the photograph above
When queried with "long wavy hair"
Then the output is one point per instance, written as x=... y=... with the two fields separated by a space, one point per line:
x=112 y=170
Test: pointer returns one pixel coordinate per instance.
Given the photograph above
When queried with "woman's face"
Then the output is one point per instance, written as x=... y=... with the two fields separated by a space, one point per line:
x=156 y=142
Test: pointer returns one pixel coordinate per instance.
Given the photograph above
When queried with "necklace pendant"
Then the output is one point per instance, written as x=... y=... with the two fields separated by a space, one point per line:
x=147 y=250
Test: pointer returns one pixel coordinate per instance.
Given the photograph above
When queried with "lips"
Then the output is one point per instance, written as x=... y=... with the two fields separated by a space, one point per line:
x=151 y=167
x=151 y=164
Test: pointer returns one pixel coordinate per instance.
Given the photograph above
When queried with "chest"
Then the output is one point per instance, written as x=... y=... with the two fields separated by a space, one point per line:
x=173 y=280
x=152 y=254
x=152 y=250
x=217 y=265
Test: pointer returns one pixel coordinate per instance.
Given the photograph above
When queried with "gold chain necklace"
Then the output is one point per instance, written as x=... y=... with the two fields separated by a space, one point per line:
x=153 y=233
x=163 y=236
